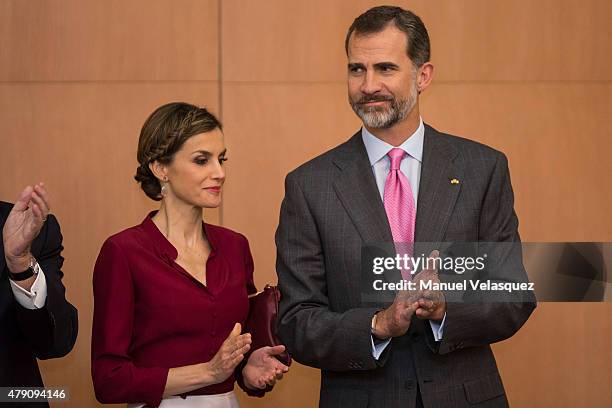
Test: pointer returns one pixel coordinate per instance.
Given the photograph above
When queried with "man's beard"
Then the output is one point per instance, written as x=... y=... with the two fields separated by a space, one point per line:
x=380 y=117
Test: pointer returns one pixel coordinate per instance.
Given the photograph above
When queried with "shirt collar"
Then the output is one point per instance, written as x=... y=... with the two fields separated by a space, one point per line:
x=164 y=246
x=377 y=149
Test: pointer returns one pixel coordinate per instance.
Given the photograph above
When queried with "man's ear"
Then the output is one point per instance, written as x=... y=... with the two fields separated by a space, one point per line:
x=424 y=76
x=159 y=170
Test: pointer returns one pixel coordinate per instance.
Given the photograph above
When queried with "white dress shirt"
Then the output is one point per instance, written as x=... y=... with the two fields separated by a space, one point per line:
x=34 y=298
x=411 y=167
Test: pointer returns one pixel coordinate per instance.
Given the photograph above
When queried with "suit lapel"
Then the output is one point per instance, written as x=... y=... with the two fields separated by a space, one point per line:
x=356 y=189
x=437 y=195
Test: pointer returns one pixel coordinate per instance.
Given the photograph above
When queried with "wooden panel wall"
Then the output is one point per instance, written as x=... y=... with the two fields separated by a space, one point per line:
x=77 y=80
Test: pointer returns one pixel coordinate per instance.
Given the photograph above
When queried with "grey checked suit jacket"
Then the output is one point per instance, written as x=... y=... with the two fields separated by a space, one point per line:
x=331 y=208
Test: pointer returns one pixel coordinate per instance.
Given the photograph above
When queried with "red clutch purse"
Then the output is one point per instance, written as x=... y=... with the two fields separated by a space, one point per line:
x=261 y=323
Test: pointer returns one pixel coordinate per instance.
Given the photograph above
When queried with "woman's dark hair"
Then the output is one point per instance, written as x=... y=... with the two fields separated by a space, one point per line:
x=378 y=18
x=163 y=134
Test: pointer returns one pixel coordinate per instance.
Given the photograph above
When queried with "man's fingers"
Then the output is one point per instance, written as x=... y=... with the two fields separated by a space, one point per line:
x=406 y=313
x=40 y=189
x=42 y=206
x=435 y=254
x=24 y=198
x=424 y=303
x=422 y=313
x=426 y=294
x=423 y=308
x=434 y=313
x=427 y=304
x=426 y=308
x=37 y=212
x=41 y=192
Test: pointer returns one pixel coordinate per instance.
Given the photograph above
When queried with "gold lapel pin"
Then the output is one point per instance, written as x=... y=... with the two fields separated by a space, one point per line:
x=454 y=181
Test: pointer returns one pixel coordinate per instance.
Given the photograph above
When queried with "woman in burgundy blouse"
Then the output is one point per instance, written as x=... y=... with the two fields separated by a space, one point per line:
x=171 y=293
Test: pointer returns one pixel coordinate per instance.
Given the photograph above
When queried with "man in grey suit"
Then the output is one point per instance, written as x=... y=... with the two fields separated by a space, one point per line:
x=396 y=171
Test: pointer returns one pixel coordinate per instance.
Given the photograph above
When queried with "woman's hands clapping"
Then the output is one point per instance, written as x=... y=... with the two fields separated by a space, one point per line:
x=229 y=355
x=263 y=369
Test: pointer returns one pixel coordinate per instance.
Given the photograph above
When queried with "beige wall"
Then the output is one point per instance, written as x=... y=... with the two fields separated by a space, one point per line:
x=531 y=78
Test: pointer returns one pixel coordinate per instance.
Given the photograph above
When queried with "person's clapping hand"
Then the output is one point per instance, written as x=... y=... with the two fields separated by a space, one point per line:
x=23 y=225
x=229 y=355
x=431 y=303
x=263 y=368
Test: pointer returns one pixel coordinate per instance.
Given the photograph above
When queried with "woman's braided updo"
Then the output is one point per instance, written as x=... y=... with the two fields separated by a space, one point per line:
x=163 y=134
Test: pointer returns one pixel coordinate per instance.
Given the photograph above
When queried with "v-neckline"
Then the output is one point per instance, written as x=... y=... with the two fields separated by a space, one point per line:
x=169 y=251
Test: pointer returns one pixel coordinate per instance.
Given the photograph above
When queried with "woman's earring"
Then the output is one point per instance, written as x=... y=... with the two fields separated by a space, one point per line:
x=164 y=187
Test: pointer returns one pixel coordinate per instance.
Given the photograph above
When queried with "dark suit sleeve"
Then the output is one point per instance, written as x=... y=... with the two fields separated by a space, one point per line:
x=51 y=330
x=485 y=318
x=313 y=333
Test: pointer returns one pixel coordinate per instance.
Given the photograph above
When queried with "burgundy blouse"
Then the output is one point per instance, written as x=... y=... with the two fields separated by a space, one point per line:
x=151 y=315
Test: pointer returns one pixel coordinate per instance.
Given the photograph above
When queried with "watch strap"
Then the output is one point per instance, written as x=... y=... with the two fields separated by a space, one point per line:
x=28 y=273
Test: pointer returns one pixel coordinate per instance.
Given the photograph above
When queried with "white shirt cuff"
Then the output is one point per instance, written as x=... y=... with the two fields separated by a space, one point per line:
x=37 y=295
x=438 y=329
x=377 y=349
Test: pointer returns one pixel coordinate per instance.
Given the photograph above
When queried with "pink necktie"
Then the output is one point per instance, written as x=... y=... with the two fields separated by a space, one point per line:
x=400 y=208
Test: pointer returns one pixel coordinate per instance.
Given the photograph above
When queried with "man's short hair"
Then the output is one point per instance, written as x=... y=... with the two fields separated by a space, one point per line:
x=378 y=18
